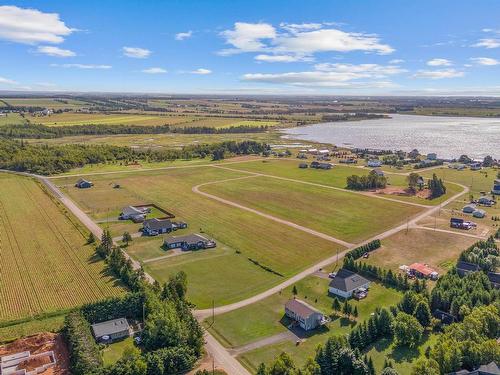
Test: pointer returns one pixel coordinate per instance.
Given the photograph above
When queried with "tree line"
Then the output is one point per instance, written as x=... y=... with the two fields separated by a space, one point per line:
x=370 y=181
x=51 y=159
x=38 y=131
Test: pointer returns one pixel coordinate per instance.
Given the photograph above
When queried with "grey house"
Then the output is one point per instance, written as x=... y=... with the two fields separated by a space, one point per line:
x=111 y=330
x=136 y=214
x=307 y=316
x=153 y=227
x=489 y=369
x=494 y=279
x=189 y=242
x=83 y=184
x=346 y=282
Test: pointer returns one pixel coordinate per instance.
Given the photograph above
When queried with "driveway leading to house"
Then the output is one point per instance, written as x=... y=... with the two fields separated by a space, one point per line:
x=283 y=336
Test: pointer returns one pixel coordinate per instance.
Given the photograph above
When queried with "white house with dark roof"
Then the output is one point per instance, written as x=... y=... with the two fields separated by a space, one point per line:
x=111 y=330
x=346 y=282
x=307 y=316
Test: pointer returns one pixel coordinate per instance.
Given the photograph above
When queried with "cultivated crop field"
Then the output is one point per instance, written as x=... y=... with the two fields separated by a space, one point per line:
x=12 y=119
x=45 y=264
x=240 y=234
x=68 y=119
x=47 y=103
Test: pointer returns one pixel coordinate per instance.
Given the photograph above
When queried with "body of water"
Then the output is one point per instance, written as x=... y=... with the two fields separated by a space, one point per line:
x=449 y=137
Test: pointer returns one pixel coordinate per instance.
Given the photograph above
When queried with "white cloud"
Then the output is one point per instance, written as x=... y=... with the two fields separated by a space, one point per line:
x=488 y=61
x=154 y=71
x=82 y=66
x=333 y=76
x=488 y=43
x=247 y=37
x=182 y=36
x=55 y=51
x=439 y=62
x=30 y=26
x=136 y=52
x=396 y=61
x=439 y=74
x=303 y=40
x=6 y=81
x=282 y=58
x=201 y=71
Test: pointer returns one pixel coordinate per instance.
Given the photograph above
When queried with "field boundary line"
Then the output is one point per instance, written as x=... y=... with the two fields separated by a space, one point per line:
x=323 y=186
x=196 y=189
x=450 y=232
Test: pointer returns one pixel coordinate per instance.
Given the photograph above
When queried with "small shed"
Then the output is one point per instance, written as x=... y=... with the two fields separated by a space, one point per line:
x=83 y=184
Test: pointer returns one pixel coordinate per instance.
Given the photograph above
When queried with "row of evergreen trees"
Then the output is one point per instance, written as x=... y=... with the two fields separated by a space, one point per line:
x=436 y=186
x=358 y=252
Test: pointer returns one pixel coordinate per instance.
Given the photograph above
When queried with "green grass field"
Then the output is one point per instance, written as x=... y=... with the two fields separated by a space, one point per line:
x=45 y=263
x=266 y=318
x=113 y=352
x=51 y=103
x=235 y=230
x=36 y=325
x=12 y=119
x=335 y=177
x=350 y=217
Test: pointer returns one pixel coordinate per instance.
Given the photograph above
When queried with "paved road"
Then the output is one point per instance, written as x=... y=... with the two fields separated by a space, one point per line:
x=197 y=190
x=202 y=314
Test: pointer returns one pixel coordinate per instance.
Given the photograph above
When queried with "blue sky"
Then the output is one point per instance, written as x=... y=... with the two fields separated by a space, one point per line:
x=255 y=47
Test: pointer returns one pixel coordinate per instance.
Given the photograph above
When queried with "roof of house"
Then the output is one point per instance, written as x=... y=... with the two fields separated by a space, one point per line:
x=190 y=238
x=81 y=180
x=379 y=172
x=155 y=224
x=110 y=327
x=301 y=308
x=494 y=277
x=489 y=369
x=445 y=317
x=131 y=210
x=421 y=268
x=466 y=266
x=347 y=281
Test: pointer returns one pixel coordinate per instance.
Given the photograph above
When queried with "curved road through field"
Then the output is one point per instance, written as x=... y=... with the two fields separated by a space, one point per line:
x=221 y=355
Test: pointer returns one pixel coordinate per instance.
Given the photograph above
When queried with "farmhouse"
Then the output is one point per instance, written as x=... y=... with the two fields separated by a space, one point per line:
x=475 y=166
x=464 y=268
x=136 y=214
x=304 y=314
x=345 y=283
x=153 y=227
x=83 y=184
x=111 y=330
x=423 y=271
x=374 y=163
x=189 y=242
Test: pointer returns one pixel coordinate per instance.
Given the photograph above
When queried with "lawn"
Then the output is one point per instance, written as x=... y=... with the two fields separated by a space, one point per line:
x=438 y=250
x=345 y=215
x=335 y=177
x=12 y=119
x=46 y=265
x=31 y=327
x=71 y=118
x=245 y=234
x=266 y=318
x=113 y=352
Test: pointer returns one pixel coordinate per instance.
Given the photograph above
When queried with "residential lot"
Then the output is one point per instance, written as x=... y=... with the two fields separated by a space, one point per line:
x=266 y=319
x=45 y=263
x=345 y=215
x=439 y=250
x=240 y=235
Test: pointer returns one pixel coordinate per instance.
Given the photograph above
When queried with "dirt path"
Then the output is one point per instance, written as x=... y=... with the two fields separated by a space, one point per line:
x=197 y=190
x=366 y=194
x=279 y=337
x=451 y=232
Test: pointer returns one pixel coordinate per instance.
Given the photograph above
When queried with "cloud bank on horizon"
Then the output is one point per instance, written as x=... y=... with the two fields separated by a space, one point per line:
x=263 y=53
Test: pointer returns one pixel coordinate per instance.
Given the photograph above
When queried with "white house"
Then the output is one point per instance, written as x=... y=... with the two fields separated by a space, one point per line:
x=374 y=163
x=346 y=282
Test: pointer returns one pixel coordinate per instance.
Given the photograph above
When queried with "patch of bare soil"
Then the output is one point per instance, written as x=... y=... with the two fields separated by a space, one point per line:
x=394 y=190
x=40 y=343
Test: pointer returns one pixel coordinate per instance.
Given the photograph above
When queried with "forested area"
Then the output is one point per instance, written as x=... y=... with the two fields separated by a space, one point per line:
x=51 y=159
x=371 y=181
